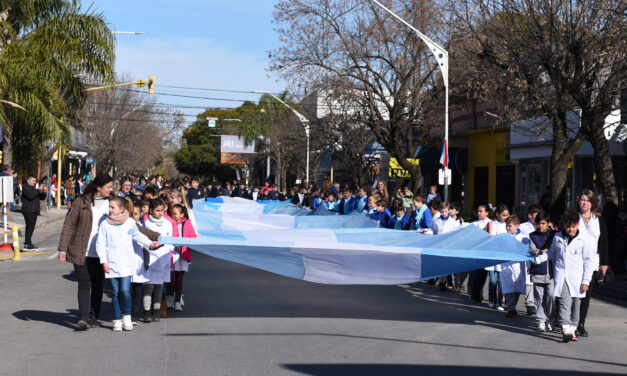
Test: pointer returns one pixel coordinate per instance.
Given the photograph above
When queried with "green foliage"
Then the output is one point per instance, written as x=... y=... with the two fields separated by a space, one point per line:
x=46 y=47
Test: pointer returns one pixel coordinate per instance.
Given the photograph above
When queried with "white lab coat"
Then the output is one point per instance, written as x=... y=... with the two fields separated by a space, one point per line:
x=593 y=228
x=440 y=226
x=160 y=262
x=114 y=246
x=527 y=228
x=497 y=228
x=573 y=263
x=513 y=272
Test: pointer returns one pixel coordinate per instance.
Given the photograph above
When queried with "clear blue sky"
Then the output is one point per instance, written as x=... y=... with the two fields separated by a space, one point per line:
x=219 y=44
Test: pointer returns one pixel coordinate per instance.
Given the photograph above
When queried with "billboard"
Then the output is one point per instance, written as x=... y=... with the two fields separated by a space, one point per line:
x=235 y=144
x=232 y=158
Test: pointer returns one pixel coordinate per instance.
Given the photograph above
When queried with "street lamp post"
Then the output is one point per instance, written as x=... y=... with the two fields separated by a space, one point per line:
x=441 y=55
x=305 y=123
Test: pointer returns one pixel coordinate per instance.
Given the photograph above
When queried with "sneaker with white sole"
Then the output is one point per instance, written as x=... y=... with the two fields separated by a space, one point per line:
x=182 y=302
x=541 y=327
x=500 y=308
x=127 y=323
x=178 y=307
x=549 y=328
x=491 y=305
x=117 y=325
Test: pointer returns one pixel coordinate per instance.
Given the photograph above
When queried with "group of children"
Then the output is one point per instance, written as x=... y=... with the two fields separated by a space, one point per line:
x=146 y=276
x=553 y=283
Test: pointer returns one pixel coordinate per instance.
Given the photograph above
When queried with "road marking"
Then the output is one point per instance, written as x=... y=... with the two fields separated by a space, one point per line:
x=52 y=256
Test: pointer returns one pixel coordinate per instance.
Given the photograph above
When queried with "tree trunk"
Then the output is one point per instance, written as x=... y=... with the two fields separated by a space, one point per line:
x=603 y=164
x=563 y=152
x=7 y=150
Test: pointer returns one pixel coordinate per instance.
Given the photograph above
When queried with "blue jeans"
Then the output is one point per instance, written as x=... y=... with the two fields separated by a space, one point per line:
x=121 y=287
x=494 y=287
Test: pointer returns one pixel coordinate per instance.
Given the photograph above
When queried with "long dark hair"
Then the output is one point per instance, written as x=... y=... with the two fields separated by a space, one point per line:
x=98 y=182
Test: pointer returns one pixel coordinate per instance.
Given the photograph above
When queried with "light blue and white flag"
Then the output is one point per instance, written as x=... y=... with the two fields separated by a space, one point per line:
x=338 y=249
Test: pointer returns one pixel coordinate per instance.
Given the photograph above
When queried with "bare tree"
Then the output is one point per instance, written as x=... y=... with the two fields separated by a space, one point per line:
x=126 y=132
x=547 y=57
x=352 y=49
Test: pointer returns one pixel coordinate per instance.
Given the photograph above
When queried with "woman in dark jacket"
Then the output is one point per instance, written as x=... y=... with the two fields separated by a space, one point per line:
x=590 y=220
x=78 y=246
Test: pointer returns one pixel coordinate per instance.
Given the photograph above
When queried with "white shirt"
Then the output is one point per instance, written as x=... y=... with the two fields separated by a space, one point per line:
x=99 y=212
x=160 y=263
x=441 y=226
x=527 y=228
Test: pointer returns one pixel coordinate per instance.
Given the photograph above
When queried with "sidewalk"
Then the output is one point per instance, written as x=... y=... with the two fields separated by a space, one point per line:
x=52 y=217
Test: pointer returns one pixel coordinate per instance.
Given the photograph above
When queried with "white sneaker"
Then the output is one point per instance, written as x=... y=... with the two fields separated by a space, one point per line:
x=182 y=302
x=178 y=307
x=169 y=299
x=549 y=327
x=117 y=325
x=491 y=305
x=500 y=308
x=127 y=323
x=541 y=327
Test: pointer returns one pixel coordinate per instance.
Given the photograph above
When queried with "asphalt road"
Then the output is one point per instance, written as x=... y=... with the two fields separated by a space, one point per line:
x=242 y=321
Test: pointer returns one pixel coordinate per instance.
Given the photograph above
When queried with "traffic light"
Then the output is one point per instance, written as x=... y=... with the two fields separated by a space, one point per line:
x=151 y=84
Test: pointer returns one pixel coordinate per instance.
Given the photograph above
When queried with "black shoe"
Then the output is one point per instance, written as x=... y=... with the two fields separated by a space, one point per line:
x=93 y=321
x=581 y=331
x=30 y=247
x=155 y=315
x=511 y=314
x=531 y=310
x=82 y=324
x=442 y=286
x=147 y=317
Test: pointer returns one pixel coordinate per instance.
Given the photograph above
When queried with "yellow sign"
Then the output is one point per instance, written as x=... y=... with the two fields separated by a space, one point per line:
x=397 y=171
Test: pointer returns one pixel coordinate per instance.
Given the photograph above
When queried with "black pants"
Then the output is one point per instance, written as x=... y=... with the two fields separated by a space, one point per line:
x=31 y=220
x=477 y=280
x=90 y=277
x=585 y=302
x=137 y=299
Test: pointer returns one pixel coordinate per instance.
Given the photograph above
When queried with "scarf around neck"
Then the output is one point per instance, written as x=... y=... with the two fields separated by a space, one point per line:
x=156 y=221
x=118 y=219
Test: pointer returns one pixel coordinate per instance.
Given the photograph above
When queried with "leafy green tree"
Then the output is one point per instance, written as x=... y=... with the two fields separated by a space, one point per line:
x=200 y=152
x=47 y=49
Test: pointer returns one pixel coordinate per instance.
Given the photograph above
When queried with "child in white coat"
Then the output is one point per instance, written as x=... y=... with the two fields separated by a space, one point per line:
x=443 y=225
x=574 y=258
x=116 y=253
x=513 y=272
x=158 y=271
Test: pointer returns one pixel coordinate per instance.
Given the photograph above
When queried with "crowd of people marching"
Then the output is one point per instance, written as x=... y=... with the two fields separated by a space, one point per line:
x=120 y=231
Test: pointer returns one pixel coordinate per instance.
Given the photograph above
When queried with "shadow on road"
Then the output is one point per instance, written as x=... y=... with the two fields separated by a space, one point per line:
x=505 y=352
x=216 y=288
x=71 y=276
x=409 y=369
x=67 y=319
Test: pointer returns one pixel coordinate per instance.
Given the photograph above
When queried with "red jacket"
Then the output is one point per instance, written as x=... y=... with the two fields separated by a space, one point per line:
x=188 y=232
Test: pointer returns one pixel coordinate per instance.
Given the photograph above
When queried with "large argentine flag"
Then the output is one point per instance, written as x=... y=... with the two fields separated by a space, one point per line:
x=337 y=249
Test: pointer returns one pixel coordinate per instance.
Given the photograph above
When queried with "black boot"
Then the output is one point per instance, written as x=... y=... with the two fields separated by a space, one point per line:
x=581 y=331
x=147 y=317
